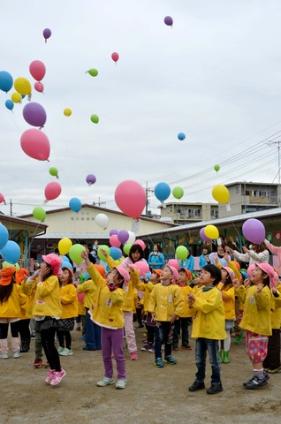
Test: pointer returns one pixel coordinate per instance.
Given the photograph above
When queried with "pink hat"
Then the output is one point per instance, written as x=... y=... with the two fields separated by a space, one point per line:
x=54 y=261
x=124 y=273
x=230 y=273
x=269 y=270
x=174 y=272
x=250 y=269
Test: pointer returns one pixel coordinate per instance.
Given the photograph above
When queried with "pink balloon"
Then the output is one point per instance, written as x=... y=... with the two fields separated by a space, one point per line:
x=141 y=243
x=174 y=263
x=142 y=267
x=52 y=190
x=114 y=241
x=115 y=57
x=39 y=87
x=130 y=198
x=2 y=199
x=37 y=70
x=35 y=144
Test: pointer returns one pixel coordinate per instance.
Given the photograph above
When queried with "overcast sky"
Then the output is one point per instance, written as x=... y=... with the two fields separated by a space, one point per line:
x=216 y=75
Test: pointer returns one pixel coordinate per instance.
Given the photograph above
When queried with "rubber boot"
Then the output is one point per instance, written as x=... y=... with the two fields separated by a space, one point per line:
x=226 y=359
x=4 y=349
x=16 y=347
x=221 y=356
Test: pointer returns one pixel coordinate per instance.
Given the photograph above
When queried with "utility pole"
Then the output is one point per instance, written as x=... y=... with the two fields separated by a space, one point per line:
x=99 y=203
x=11 y=207
x=278 y=144
x=147 y=193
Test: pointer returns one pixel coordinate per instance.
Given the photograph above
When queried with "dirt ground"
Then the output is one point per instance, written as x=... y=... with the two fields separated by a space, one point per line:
x=153 y=396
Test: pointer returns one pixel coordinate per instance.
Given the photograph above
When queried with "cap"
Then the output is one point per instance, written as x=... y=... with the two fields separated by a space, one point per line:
x=124 y=273
x=174 y=272
x=54 y=261
x=270 y=271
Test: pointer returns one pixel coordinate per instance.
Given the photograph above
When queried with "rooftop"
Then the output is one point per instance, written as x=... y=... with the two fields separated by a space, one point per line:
x=251 y=182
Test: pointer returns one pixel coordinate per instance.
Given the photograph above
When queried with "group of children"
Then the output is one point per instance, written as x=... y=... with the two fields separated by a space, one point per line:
x=171 y=300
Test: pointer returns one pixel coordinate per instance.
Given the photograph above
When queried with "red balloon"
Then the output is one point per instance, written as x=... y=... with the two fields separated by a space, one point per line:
x=130 y=198
x=114 y=241
x=39 y=86
x=37 y=70
x=2 y=199
x=52 y=190
x=115 y=57
x=35 y=144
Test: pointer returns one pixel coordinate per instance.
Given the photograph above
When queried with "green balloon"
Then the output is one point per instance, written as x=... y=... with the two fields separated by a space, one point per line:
x=100 y=248
x=54 y=172
x=181 y=253
x=39 y=213
x=75 y=253
x=217 y=168
x=95 y=119
x=93 y=72
x=178 y=192
x=126 y=248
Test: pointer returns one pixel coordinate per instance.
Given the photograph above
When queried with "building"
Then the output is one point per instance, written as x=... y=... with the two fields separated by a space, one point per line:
x=248 y=197
x=184 y=212
x=81 y=227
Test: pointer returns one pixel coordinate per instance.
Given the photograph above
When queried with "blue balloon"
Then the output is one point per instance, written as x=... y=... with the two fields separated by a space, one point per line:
x=6 y=81
x=4 y=236
x=115 y=253
x=75 y=204
x=162 y=191
x=66 y=264
x=9 y=104
x=181 y=136
x=11 y=252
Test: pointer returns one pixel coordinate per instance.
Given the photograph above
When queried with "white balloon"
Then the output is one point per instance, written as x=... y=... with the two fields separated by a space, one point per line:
x=131 y=238
x=102 y=220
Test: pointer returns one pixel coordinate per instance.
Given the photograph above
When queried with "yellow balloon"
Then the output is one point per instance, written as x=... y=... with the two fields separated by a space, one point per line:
x=211 y=232
x=16 y=97
x=22 y=86
x=67 y=112
x=64 y=246
x=221 y=194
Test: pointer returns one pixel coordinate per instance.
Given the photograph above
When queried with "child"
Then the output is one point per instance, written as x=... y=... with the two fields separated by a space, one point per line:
x=12 y=301
x=207 y=327
x=69 y=304
x=181 y=325
x=165 y=305
x=23 y=324
x=257 y=321
x=108 y=314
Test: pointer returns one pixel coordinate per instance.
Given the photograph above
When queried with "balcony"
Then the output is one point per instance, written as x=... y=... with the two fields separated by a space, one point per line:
x=260 y=200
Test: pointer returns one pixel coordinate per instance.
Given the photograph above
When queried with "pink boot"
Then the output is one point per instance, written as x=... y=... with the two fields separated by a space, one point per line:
x=49 y=377
x=57 y=377
x=4 y=349
x=16 y=347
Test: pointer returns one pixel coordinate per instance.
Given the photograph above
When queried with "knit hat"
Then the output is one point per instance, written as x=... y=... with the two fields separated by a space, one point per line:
x=124 y=273
x=230 y=273
x=269 y=270
x=54 y=261
x=21 y=275
x=6 y=275
x=174 y=272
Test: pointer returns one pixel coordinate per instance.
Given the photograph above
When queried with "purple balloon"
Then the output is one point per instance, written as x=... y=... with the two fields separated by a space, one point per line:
x=123 y=236
x=34 y=114
x=253 y=230
x=203 y=236
x=113 y=232
x=91 y=179
x=47 y=33
x=168 y=20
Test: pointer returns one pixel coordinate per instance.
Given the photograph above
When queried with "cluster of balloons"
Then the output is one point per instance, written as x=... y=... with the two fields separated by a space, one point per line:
x=9 y=249
x=130 y=198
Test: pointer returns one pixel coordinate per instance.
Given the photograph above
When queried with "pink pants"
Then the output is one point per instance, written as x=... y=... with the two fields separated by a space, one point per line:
x=130 y=332
x=256 y=347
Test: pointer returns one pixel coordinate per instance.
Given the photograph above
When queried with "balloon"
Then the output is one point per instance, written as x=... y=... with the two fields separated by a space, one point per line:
x=181 y=136
x=115 y=253
x=91 y=179
x=93 y=72
x=75 y=204
x=6 y=264
x=127 y=248
x=181 y=253
x=52 y=191
x=2 y=199
x=67 y=112
x=22 y=86
x=140 y=243
x=131 y=238
x=34 y=114
x=253 y=230
x=115 y=57
x=114 y=241
x=178 y=192
x=95 y=119
x=47 y=34
x=142 y=267
x=113 y=232
x=162 y=191
x=39 y=86
x=16 y=97
x=37 y=70
x=4 y=235
x=130 y=198
x=217 y=168
x=9 y=104
x=64 y=246
x=6 y=81
x=102 y=220
x=221 y=194
x=35 y=144
x=174 y=263
x=39 y=213
x=75 y=253
x=203 y=235
x=10 y=252
x=54 y=172
x=123 y=236
x=168 y=20
x=211 y=232
x=100 y=248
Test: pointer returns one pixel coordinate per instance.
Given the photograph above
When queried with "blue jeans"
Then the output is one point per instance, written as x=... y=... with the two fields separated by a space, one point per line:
x=163 y=335
x=92 y=334
x=201 y=348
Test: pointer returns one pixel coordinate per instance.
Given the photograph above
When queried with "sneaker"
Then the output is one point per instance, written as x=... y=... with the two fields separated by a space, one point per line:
x=66 y=352
x=196 y=385
x=134 y=356
x=274 y=371
x=60 y=349
x=151 y=350
x=57 y=377
x=49 y=377
x=121 y=383
x=214 y=388
x=255 y=383
x=170 y=359
x=16 y=355
x=159 y=363
x=225 y=358
x=106 y=381
x=144 y=348
x=4 y=355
